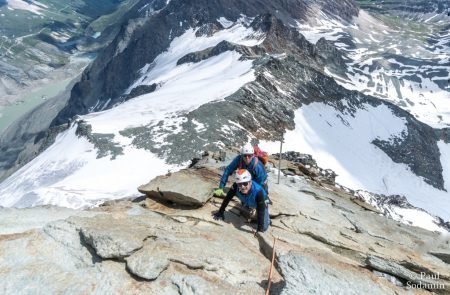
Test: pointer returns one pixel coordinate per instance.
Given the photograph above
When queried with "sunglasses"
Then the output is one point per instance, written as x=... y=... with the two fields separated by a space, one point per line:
x=243 y=183
x=247 y=156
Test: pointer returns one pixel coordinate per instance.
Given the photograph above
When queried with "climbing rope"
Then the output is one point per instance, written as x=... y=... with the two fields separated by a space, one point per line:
x=271 y=267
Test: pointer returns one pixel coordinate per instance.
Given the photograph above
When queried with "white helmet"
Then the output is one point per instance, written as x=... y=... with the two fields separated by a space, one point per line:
x=242 y=175
x=247 y=149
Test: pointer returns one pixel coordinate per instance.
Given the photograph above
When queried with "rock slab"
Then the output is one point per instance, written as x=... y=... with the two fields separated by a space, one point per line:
x=183 y=187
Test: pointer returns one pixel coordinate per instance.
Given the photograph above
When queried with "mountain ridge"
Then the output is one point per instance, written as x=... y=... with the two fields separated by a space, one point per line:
x=225 y=83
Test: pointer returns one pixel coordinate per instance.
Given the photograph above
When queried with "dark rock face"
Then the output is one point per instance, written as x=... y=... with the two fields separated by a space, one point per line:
x=297 y=157
x=141 y=89
x=103 y=142
x=395 y=200
x=417 y=149
x=330 y=56
x=109 y=75
x=222 y=47
x=304 y=165
x=443 y=134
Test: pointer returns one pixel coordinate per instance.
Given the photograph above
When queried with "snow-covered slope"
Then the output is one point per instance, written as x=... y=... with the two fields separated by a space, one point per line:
x=71 y=174
x=343 y=142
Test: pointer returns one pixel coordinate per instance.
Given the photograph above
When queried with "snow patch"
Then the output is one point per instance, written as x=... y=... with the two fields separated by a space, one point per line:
x=225 y=23
x=22 y=5
x=155 y=72
x=69 y=174
x=410 y=216
x=199 y=127
x=418 y=218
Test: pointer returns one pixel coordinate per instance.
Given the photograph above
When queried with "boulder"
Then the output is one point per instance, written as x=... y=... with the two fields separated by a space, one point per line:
x=146 y=265
x=185 y=187
x=111 y=244
x=303 y=169
x=113 y=238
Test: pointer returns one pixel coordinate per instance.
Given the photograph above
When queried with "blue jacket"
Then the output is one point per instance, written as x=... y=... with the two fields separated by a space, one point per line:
x=256 y=198
x=258 y=173
x=249 y=200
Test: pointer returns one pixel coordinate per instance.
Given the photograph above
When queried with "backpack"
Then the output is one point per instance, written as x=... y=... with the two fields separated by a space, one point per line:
x=260 y=156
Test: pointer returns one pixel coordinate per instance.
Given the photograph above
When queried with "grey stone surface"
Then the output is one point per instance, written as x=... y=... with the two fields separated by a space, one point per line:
x=194 y=285
x=303 y=275
x=395 y=269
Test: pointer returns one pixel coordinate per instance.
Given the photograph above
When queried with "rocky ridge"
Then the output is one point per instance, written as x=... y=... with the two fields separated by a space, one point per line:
x=140 y=43
x=299 y=70
x=326 y=242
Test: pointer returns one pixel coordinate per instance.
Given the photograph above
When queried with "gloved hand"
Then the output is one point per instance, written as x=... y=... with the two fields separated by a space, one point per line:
x=219 y=192
x=218 y=216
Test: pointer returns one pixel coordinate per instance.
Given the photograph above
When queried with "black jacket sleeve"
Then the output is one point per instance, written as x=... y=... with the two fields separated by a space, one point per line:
x=260 y=210
x=231 y=193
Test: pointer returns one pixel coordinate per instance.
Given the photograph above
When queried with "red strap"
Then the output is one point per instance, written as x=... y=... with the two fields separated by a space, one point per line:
x=256 y=163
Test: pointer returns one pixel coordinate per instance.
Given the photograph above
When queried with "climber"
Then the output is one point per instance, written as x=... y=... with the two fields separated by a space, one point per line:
x=253 y=198
x=246 y=160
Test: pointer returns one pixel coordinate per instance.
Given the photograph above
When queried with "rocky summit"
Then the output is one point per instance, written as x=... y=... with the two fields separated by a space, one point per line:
x=324 y=241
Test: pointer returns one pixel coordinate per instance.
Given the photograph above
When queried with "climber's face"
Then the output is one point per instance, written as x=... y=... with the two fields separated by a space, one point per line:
x=247 y=159
x=244 y=187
